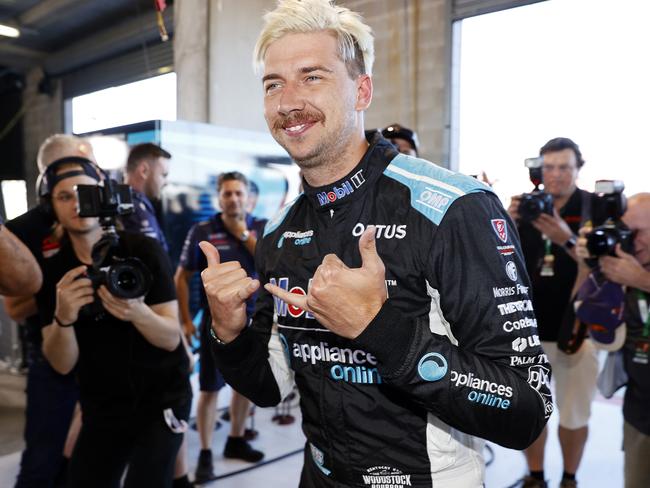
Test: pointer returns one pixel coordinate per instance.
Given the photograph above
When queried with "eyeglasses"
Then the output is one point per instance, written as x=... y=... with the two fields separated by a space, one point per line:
x=563 y=168
x=65 y=197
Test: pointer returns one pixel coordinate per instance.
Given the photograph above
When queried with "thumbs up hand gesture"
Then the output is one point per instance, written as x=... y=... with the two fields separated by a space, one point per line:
x=343 y=299
x=227 y=287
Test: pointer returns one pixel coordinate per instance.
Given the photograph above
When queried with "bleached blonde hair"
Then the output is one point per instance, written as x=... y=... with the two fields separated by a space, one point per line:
x=58 y=146
x=354 y=37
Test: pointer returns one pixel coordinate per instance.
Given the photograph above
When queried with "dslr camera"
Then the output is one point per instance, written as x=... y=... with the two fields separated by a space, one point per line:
x=124 y=276
x=607 y=207
x=537 y=202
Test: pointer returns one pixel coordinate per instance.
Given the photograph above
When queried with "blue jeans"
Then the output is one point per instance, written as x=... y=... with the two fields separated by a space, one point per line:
x=51 y=398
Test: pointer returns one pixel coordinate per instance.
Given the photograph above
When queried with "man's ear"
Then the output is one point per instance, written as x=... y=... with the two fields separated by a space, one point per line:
x=144 y=169
x=364 y=92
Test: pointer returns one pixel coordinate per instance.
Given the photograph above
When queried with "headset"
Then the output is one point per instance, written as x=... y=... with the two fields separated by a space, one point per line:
x=48 y=179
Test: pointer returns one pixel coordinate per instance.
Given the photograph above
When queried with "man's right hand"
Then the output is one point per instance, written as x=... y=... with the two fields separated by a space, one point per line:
x=513 y=209
x=227 y=287
x=581 y=243
x=72 y=293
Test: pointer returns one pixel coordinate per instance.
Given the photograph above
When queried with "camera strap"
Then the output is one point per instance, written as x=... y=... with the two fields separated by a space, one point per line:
x=642 y=344
x=548 y=265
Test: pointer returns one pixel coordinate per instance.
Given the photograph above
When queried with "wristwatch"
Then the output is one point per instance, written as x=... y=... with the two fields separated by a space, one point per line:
x=570 y=243
x=245 y=235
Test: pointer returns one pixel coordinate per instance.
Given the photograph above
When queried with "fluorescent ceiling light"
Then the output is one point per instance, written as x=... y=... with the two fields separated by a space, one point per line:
x=7 y=31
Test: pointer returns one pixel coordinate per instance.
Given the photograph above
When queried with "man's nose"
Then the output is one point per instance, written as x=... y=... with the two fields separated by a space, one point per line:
x=291 y=99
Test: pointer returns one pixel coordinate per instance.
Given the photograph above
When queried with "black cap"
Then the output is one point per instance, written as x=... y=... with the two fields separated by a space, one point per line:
x=397 y=131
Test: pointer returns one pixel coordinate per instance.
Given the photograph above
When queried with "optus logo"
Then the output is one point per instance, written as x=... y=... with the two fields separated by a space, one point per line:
x=432 y=367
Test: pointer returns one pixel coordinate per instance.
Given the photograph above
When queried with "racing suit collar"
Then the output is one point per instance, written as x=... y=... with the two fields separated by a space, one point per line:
x=354 y=184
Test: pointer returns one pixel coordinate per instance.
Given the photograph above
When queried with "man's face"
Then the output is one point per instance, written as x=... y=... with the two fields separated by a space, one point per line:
x=64 y=202
x=156 y=177
x=404 y=146
x=637 y=218
x=232 y=198
x=560 y=170
x=311 y=105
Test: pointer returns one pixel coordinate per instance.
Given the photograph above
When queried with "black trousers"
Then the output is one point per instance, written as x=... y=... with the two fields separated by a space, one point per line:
x=143 y=443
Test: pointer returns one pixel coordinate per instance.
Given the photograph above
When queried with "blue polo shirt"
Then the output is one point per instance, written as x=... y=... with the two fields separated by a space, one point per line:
x=143 y=219
x=230 y=248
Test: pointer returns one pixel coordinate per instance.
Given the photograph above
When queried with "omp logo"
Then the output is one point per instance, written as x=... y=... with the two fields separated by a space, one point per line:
x=513 y=307
x=382 y=231
x=434 y=199
x=338 y=192
x=432 y=367
x=520 y=344
x=282 y=308
x=301 y=238
x=512 y=325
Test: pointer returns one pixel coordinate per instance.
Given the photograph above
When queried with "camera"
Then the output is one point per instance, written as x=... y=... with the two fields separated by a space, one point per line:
x=537 y=202
x=607 y=207
x=123 y=276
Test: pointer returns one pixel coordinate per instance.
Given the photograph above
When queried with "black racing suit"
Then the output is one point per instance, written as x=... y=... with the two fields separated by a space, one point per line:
x=453 y=351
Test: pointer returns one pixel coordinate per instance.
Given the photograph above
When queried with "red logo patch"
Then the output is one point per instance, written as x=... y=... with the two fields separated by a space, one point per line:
x=500 y=228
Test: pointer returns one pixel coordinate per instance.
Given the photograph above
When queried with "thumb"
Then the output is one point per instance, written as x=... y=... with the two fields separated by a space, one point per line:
x=622 y=254
x=368 y=248
x=210 y=252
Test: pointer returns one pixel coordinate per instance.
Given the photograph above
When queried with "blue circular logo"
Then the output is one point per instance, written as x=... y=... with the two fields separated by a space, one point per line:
x=432 y=367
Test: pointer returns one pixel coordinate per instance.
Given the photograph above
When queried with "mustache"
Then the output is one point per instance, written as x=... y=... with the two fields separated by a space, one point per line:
x=297 y=118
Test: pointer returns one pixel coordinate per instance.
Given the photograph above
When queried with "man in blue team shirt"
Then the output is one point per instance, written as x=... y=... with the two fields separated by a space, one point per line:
x=146 y=173
x=234 y=233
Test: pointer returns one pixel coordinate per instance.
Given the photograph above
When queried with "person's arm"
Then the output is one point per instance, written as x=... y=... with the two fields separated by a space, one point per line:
x=157 y=323
x=481 y=369
x=60 y=346
x=20 y=307
x=182 y=283
x=20 y=274
x=251 y=359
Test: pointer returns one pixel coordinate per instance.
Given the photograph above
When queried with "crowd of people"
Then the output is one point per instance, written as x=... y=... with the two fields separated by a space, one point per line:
x=415 y=314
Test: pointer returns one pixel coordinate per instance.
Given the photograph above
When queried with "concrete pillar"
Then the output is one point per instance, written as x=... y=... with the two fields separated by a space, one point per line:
x=191 y=59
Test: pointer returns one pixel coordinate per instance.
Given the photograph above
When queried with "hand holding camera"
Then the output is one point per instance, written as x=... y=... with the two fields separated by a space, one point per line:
x=126 y=309
x=73 y=291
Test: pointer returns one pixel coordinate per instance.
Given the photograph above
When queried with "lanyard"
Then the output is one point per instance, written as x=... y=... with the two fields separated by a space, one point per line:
x=643 y=311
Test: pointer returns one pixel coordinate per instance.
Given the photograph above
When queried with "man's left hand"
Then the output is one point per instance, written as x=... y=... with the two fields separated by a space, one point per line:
x=553 y=227
x=126 y=309
x=623 y=269
x=343 y=299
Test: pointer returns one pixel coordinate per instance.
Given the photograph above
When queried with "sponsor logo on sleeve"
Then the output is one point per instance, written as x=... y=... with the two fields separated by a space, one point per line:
x=482 y=391
x=525 y=360
x=525 y=323
x=432 y=367
x=434 y=199
x=508 y=291
x=520 y=344
x=346 y=188
x=506 y=250
x=386 y=477
x=500 y=229
x=539 y=378
x=511 y=270
x=516 y=306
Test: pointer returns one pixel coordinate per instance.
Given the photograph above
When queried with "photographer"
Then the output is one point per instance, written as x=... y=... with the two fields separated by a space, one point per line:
x=548 y=244
x=632 y=270
x=131 y=365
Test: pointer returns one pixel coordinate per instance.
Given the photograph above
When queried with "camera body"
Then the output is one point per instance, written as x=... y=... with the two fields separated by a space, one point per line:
x=607 y=207
x=537 y=202
x=124 y=276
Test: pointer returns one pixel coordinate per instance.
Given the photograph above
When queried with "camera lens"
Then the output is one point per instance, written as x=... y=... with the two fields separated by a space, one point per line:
x=530 y=207
x=128 y=279
x=601 y=242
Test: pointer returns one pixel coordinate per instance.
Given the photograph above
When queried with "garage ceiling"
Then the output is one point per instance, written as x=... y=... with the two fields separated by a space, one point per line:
x=64 y=35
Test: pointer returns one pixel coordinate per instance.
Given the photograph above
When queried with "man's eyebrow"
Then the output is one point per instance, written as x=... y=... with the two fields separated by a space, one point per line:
x=306 y=69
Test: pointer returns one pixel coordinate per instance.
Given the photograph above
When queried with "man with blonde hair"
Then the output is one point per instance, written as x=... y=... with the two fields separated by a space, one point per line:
x=398 y=288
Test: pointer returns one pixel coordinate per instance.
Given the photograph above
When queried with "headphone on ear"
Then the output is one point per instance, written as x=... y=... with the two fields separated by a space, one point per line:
x=47 y=180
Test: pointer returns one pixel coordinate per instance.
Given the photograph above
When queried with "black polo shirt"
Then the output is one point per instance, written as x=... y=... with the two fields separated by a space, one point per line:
x=551 y=294
x=121 y=373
